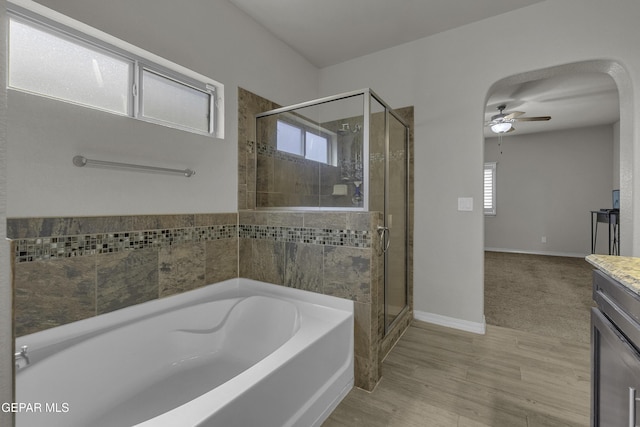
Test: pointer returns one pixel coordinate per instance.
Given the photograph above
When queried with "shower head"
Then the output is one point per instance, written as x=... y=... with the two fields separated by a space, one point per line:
x=346 y=129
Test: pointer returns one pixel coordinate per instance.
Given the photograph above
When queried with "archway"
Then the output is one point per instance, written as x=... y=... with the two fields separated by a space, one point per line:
x=630 y=238
x=622 y=82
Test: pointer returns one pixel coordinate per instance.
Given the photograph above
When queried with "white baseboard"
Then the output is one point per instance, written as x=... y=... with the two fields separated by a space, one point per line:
x=549 y=253
x=451 y=322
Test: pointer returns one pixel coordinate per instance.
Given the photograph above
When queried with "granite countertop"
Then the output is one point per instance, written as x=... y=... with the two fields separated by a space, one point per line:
x=624 y=269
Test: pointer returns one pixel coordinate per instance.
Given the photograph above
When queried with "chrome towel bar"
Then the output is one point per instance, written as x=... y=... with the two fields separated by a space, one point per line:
x=81 y=161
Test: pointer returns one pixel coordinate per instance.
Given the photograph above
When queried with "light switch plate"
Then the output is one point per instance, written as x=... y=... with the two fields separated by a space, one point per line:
x=465 y=204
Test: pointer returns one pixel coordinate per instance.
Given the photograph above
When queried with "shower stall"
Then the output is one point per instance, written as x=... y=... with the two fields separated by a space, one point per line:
x=344 y=152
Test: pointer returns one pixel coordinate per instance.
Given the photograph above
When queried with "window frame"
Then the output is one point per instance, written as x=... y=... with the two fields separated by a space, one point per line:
x=138 y=96
x=64 y=27
x=491 y=210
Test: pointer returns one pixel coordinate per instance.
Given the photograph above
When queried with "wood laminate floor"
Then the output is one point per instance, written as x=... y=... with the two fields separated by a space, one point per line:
x=441 y=377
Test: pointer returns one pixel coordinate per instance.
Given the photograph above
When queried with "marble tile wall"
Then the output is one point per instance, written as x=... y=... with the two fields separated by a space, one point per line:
x=344 y=261
x=68 y=269
x=249 y=105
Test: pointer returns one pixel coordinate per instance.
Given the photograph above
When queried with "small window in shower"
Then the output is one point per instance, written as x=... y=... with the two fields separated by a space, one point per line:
x=317 y=147
x=295 y=139
x=290 y=139
x=311 y=156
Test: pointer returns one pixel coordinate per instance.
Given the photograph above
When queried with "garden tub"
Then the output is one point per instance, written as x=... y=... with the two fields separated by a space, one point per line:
x=236 y=353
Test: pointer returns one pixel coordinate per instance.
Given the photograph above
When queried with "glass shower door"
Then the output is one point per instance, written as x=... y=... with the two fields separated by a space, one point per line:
x=396 y=220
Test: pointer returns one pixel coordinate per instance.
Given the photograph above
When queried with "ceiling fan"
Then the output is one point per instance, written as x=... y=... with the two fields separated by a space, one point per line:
x=503 y=123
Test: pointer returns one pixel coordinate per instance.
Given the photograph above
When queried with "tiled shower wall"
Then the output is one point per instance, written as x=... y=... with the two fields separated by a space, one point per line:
x=68 y=269
x=249 y=105
x=331 y=252
x=284 y=179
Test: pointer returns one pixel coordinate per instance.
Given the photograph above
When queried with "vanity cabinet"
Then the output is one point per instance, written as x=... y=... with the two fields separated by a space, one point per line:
x=615 y=355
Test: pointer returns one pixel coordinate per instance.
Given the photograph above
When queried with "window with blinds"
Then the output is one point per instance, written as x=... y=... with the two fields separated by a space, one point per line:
x=489 y=188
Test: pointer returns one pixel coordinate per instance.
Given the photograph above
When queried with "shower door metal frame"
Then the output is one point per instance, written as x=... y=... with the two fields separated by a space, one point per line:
x=368 y=94
x=387 y=235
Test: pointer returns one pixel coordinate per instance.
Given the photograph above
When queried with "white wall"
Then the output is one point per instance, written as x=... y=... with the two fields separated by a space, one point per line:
x=212 y=38
x=447 y=78
x=547 y=184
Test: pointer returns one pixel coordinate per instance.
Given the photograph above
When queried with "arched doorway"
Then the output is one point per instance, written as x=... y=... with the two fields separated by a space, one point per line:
x=612 y=72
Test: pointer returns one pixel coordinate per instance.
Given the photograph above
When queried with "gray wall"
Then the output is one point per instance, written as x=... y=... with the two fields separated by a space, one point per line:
x=214 y=39
x=447 y=78
x=6 y=336
x=546 y=185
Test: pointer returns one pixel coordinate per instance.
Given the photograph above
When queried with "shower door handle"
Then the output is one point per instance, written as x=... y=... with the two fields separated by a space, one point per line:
x=632 y=406
x=384 y=235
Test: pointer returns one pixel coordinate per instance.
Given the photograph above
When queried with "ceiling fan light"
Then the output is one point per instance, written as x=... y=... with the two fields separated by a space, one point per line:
x=501 y=127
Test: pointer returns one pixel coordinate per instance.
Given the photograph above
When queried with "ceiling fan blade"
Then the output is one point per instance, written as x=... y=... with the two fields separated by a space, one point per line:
x=513 y=115
x=533 y=119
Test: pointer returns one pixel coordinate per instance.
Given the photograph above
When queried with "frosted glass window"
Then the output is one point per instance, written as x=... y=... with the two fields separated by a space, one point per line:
x=52 y=65
x=289 y=139
x=64 y=62
x=172 y=102
x=316 y=148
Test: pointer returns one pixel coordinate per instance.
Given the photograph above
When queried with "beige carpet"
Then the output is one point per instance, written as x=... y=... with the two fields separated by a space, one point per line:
x=547 y=295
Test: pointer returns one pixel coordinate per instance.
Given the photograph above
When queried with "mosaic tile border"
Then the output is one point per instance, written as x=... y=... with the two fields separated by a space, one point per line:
x=318 y=236
x=45 y=248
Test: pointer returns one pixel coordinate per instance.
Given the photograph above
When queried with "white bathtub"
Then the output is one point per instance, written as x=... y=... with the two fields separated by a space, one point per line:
x=237 y=353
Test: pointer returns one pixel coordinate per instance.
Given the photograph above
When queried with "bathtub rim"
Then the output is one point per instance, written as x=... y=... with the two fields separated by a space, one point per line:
x=50 y=341
x=197 y=411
